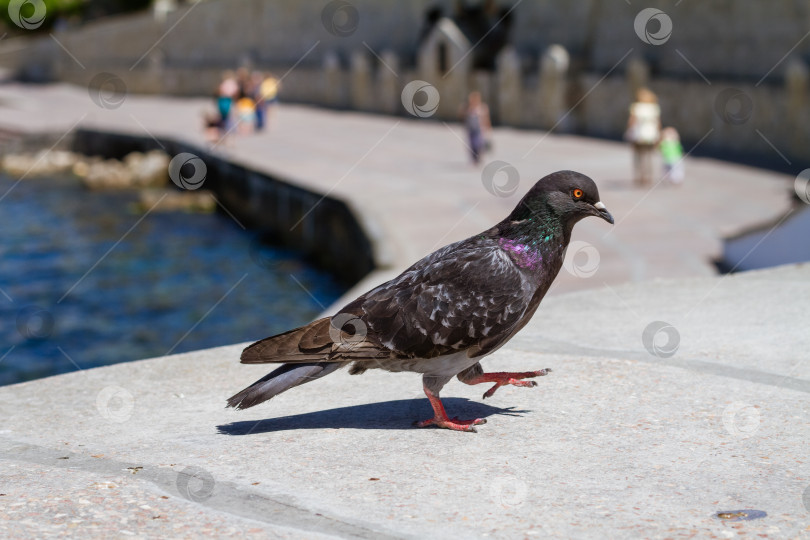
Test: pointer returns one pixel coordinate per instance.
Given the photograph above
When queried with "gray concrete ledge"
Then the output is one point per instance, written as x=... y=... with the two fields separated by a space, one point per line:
x=616 y=442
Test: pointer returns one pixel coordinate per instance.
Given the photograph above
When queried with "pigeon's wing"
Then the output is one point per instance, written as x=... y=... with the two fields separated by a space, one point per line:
x=467 y=296
x=310 y=343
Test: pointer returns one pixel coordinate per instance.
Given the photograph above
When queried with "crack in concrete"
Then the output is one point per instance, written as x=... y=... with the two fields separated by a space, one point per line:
x=228 y=497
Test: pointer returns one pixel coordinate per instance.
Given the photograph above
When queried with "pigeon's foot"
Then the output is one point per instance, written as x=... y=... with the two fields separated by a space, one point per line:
x=453 y=423
x=504 y=377
x=441 y=420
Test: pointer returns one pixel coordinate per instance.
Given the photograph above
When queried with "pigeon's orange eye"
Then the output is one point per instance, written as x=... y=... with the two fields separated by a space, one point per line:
x=578 y=193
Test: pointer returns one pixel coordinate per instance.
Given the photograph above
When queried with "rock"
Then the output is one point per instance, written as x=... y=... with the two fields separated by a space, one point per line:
x=148 y=170
x=109 y=174
x=170 y=200
x=43 y=163
x=136 y=171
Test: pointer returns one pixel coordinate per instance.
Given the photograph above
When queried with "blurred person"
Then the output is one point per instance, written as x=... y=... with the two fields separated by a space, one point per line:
x=266 y=98
x=245 y=114
x=644 y=132
x=212 y=124
x=245 y=82
x=226 y=95
x=477 y=123
x=672 y=155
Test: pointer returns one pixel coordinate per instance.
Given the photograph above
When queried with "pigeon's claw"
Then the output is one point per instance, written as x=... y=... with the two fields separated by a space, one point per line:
x=453 y=423
x=513 y=382
x=441 y=420
x=504 y=378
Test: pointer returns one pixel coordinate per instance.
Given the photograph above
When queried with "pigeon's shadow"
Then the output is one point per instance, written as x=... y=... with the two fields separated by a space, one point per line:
x=398 y=414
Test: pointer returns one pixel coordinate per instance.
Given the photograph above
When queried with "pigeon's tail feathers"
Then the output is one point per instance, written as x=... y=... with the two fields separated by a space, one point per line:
x=310 y=343
x=279 y=380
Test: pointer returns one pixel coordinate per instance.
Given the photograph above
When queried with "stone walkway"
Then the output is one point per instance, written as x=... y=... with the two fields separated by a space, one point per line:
x=411 y=184
x=616 y=442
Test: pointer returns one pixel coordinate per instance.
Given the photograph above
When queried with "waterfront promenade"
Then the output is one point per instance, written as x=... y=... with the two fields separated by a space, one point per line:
x=628 y=436
x=411 y=184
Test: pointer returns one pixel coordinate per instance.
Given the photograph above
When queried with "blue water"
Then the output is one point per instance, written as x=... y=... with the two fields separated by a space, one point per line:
x=784 y=242
x=176 y=282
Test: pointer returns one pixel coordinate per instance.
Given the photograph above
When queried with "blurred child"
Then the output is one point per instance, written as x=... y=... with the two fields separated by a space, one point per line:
x=643 y=132
x=672 y=155
x=476 y=119
x=266 y=98
x=226 y=94
x=212 y=124
x=246 y=114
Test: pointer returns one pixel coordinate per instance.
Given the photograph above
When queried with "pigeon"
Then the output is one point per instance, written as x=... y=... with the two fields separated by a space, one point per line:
x=444 y=314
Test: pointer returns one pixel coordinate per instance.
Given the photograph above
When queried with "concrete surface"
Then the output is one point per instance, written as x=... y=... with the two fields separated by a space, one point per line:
x=616 y=442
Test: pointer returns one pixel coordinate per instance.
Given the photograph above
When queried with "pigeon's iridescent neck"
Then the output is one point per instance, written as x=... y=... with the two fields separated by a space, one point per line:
x=524 y=255
x=535 y=242
x=532 y=246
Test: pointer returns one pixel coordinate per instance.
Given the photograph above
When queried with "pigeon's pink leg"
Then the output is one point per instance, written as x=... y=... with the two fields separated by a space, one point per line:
x=441 y=420
x=504 y=377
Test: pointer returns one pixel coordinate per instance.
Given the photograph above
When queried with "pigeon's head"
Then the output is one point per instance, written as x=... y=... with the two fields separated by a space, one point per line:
x=565 y=195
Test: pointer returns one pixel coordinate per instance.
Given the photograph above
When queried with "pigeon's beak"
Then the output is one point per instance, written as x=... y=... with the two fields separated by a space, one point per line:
x=602 y=212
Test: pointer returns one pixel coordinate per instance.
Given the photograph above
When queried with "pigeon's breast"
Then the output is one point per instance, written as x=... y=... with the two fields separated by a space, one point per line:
x=447 y=365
